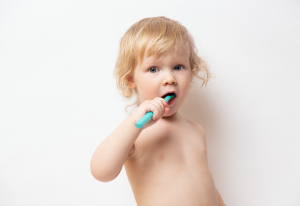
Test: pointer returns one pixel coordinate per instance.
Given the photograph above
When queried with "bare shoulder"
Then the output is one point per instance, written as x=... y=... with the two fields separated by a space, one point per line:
x=199 y=130
x=197 y=127
x=148 y=138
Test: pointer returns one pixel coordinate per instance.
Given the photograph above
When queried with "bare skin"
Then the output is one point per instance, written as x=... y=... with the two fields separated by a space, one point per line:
x=166 y=160
x=169 y=166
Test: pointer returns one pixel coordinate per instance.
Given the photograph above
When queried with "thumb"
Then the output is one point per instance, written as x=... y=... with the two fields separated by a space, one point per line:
x=166 y=109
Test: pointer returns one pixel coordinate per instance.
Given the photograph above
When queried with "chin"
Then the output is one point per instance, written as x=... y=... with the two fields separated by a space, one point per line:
x=169 y=113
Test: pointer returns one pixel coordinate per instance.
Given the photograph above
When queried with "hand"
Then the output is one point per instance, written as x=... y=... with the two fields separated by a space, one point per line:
x=157 y=106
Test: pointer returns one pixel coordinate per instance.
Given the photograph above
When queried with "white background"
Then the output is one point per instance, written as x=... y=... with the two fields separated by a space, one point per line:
x=59 y=98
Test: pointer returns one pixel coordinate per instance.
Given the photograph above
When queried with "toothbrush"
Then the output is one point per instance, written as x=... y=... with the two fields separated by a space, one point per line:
x=146 y=118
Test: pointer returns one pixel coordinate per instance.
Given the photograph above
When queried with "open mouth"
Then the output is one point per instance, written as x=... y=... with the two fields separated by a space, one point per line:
x=170 y=101
x=168 y=94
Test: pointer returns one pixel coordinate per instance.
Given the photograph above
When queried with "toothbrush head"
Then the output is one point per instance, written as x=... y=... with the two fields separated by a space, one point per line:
x=169 y=98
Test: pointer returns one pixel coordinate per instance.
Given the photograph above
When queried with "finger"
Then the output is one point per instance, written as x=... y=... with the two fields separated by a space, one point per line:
x=166 y=109
x=165 y=104
x=156 y=110
x=162 y=107
x=163 y=101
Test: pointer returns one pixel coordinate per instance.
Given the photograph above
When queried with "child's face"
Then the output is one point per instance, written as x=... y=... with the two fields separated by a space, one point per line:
x=156 y=77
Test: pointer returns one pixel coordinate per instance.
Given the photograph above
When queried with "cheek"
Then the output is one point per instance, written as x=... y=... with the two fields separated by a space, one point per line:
x=185 y=84
x=144 y=83
x=148 y=87
x=186 y=89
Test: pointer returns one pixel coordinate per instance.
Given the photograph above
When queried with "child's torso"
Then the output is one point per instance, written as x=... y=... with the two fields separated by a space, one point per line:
x=169 y=167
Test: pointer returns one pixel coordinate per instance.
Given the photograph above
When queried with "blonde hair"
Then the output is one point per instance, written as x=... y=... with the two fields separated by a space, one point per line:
x=163 y=34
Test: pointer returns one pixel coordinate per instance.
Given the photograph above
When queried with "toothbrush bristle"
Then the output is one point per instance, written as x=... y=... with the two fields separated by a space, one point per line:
x=171 y=99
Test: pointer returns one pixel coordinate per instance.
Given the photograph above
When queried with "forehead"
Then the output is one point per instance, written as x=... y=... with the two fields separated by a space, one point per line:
x=180 y=52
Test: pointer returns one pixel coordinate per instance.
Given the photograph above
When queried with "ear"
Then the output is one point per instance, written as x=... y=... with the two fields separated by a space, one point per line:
x=131 y=82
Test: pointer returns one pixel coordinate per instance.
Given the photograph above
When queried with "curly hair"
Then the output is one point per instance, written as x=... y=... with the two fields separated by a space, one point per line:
x=163 y=34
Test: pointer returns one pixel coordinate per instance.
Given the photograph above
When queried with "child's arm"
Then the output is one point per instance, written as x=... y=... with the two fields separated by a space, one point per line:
x=110 y=156
x=221 y=202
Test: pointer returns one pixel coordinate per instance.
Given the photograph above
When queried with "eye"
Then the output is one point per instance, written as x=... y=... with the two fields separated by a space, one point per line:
x=152 y=69
x=178 y=66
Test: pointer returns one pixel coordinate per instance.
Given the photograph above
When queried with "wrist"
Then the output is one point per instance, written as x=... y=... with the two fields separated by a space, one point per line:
x=132 y=121
x=133 y=118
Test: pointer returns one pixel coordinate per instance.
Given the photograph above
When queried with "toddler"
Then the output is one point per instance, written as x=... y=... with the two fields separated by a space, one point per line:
x=166 y=160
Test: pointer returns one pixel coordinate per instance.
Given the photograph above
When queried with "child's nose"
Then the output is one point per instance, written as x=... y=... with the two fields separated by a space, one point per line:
x=169 y=79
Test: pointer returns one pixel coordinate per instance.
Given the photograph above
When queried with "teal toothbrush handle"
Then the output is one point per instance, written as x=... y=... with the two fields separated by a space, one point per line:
x=146 y=118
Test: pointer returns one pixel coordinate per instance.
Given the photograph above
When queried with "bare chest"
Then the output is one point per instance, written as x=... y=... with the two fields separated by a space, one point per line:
x=172 y=168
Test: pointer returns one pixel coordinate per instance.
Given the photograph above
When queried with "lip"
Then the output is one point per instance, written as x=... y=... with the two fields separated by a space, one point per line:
x=171 y=92
x=172 y=102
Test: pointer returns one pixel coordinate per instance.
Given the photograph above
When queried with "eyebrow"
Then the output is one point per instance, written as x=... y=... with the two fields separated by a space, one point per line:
x=152 y=62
